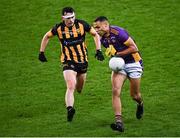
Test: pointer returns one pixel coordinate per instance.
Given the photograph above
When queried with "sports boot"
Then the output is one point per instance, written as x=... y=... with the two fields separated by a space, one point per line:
x=118 y=126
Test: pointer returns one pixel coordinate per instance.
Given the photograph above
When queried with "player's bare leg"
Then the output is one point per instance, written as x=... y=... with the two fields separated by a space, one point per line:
x=117 y=83
x=80 y=82
x=136 y=95
x=70 y=79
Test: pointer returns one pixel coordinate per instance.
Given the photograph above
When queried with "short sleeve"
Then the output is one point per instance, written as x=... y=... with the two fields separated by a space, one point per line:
x=123 y=35
x=104 y=42
x=87 y=27
x=54 y=29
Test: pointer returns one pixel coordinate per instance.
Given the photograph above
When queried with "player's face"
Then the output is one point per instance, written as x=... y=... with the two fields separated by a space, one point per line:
x=70 y=20
x=101 y=27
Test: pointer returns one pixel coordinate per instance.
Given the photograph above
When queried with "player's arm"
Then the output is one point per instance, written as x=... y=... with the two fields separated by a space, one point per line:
x=97 y=41
x=96 y=38
x=132 y=48
x=45 y=40
x=44 y=43
x=93 y=32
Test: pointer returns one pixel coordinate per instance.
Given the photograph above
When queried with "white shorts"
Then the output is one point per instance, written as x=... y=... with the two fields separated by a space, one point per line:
x=132 y=70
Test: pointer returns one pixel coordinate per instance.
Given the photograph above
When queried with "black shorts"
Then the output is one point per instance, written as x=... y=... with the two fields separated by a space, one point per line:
x=77 y=67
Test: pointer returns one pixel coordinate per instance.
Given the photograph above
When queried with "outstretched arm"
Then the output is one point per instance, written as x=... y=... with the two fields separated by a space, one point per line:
x=97 y=41
x=44 y=43
x=96 y=38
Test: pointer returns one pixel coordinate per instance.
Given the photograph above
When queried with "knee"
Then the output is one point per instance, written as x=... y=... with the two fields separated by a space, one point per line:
x=71 y=88
x=116 y=92
x=71 y=85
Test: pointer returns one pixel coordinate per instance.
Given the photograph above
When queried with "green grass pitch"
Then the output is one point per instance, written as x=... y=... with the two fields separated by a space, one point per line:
x=32 y=93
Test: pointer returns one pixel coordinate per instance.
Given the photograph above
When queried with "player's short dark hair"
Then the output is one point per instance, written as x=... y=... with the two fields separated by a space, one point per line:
x=101 y=19
x=67 y=9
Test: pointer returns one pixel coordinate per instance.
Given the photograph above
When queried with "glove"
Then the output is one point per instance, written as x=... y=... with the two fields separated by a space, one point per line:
x=110 y=51
x=42 y=57
x=99 y=55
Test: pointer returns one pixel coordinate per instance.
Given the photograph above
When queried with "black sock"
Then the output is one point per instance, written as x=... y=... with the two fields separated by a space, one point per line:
x=139 y=101
x=69 y=107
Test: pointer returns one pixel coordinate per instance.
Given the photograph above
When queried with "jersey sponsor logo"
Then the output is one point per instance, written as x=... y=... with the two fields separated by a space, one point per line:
x=70 y=32
x=75 y=42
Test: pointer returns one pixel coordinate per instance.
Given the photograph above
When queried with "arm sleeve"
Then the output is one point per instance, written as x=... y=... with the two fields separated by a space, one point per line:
x=87 y=27
x=54 y=29
x=123 y=35
x=104 y=43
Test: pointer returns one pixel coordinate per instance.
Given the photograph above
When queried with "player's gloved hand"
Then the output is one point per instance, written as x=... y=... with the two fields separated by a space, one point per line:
x=42 y=57
x=99 y=55
x=110 y=51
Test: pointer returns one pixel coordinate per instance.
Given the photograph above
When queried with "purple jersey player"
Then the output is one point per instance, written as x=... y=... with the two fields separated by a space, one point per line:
x=118 y=42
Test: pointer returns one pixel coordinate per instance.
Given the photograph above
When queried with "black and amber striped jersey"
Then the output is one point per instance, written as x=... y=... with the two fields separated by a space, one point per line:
x=72 y=39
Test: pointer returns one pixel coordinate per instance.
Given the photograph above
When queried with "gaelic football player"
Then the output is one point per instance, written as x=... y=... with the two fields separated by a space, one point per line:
x=118 y=42
x=71 y=33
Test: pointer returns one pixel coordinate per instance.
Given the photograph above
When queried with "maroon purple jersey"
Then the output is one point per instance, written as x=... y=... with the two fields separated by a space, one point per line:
x=117 y=38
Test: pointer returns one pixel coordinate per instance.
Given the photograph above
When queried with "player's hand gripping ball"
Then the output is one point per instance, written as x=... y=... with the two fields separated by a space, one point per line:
x=116 y=64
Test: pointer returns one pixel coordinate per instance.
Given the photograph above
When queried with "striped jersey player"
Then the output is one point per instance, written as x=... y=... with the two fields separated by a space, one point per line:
x=71 y=33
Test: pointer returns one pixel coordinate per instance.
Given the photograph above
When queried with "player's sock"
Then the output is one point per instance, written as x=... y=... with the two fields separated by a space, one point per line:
x=70 y=113
x=139 y=110
x=139 y=101
x=118 y=118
